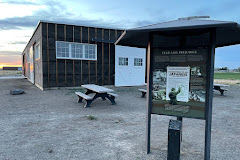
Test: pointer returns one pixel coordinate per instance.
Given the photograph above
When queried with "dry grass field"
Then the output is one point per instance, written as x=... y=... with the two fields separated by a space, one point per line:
x=230 y=78
x=9 y=72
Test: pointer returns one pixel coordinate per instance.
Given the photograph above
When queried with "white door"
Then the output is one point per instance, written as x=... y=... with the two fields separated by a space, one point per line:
x=129 y=66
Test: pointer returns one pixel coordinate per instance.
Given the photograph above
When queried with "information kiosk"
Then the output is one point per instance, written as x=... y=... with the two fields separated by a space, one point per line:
x=180 y=66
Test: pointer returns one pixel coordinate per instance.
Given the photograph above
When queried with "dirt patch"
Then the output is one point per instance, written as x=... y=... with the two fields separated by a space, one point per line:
x=228 y=81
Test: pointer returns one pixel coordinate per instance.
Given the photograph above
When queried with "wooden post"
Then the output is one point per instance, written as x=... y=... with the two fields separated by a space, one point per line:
x=208 y=110
x=149 y=94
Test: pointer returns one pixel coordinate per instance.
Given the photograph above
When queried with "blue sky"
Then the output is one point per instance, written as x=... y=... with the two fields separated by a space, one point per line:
x=18 y=19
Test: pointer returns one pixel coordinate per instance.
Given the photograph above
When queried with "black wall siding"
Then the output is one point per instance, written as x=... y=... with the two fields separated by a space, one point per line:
x=69 y=33
x=106 y=64
x=60 y=32
x=77 y=63
x=112 y=35
x=51 y=55
x=44 y=43
x=99 y=63
x=84 y=34
x=44 y=55
x=77 y=32
x=91 y=35
x=85 y=76
x=69 y=74
x=99 y=33
x=119 y=33
x=106 y=34
x=61 y=72
x=112 y=63
x=92 y=64
x=92 y=72
x=69 y=62
x=77 y=72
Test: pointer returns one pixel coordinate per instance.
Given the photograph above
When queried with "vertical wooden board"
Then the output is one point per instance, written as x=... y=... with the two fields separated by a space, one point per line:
x=99 y=63
x=69 y=72
x=84 y=34
x=106 y=34
x=106 y=64
x=52 y=74
x=60 y=32
x=77 y=68
x=91 y=35
x=85 y=76
x=99 y=33
x=69 y=33
x=61 y=72
x=112 y=35
x=112 y=64
x=77 y=35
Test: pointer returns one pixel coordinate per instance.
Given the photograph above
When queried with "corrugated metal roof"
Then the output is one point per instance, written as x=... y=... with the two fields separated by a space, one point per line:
x=227 y=32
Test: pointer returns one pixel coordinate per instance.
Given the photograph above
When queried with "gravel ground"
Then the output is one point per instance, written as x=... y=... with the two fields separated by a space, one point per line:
x=40 y=125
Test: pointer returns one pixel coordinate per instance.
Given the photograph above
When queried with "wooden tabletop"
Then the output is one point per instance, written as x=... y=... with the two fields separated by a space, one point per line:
x=97 y=88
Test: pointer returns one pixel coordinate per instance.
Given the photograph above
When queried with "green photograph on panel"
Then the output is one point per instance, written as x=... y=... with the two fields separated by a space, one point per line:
x=179 y=82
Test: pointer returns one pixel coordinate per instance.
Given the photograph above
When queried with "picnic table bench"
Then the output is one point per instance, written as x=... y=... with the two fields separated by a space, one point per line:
x=144 y=91
x=219 y=87
x=216 y=86
x=98 y=91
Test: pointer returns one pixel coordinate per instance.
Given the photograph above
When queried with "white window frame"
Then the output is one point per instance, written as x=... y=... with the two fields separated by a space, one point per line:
x=125 y=61
x=138 y=62
x=35 y=49
x=70 y=50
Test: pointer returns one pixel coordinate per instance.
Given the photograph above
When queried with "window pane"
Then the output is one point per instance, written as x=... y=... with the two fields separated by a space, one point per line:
x=76 y=50
x=137 y=61
x=123 y=61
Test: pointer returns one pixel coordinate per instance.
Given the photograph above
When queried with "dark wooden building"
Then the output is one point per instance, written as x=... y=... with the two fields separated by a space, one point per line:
x=62 y=55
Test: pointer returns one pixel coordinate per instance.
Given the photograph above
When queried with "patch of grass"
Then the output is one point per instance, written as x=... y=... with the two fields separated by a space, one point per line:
x=90 y=117
x=228 y=75
x=9 y=72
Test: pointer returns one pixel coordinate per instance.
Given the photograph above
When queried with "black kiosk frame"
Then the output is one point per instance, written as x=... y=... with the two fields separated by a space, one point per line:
x=180 y=67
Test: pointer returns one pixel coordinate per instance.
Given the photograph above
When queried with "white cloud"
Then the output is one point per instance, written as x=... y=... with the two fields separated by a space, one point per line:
x=8 y=37
x=18 y=10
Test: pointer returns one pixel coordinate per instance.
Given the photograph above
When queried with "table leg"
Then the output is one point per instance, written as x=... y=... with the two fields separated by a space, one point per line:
x=80 y=99
x=90 y=101
x=143 y=94
x=89 y=91
x=111 y=98
x=221 y=91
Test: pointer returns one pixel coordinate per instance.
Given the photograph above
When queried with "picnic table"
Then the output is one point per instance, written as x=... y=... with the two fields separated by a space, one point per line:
x=98 y=91
x=216 y=86
x=219 y=87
